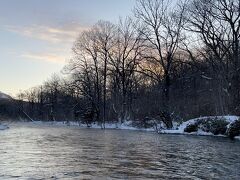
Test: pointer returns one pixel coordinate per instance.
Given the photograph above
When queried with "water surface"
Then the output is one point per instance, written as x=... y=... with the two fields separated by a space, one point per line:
x=43 y=152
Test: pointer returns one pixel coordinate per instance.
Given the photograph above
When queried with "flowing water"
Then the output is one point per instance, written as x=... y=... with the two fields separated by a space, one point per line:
x=43 y=152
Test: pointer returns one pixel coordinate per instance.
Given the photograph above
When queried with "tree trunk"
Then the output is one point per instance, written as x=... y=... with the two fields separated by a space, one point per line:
x=104 y=91
x=166 y=103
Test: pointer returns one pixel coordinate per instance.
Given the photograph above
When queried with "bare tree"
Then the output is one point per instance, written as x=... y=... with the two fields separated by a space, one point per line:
x=163 y=27
x=52 y=88
x=145 y=69
x=217 y=22
x=105 y=32
x=124 y=58
x=90 y=64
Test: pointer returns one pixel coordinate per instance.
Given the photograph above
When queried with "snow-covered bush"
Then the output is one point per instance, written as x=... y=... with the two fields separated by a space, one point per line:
x=212 y=125
x=191 y=128
x=234 y=129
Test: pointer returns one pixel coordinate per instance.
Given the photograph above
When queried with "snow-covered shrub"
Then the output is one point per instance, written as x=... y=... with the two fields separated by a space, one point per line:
x=212 y=125
x=234 y=129
x=218 y=126
x=191 y=128
x=215 y=125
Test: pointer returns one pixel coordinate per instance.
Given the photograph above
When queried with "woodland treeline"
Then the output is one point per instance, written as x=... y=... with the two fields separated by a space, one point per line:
x=166 y=62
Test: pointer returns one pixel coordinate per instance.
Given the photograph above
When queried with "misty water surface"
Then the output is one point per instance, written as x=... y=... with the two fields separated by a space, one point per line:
x=42 y=152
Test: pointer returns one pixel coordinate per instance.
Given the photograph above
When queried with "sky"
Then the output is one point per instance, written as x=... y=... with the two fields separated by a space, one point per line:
x=36 y=36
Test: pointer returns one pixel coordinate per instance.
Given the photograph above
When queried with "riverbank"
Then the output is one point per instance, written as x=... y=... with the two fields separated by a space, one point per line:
x=121 y=126
x=224 y=126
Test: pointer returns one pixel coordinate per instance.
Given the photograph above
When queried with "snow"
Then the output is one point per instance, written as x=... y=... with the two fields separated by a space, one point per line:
x=206 y=77
x=237 y=137
x=180 y=129
x=124 y=126
x=3 y=127
x=127 y=125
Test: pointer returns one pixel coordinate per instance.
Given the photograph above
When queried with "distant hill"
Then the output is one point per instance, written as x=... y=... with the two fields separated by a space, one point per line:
x=4 y=96
x=8 y=109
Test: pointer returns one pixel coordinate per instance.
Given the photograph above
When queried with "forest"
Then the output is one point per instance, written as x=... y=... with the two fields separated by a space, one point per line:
x=165 y=62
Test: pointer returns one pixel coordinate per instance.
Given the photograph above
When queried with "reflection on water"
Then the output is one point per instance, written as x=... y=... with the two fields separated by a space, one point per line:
x=40 y=152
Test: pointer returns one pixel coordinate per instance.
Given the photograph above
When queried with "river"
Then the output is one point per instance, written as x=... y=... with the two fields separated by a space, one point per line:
x=45 y=152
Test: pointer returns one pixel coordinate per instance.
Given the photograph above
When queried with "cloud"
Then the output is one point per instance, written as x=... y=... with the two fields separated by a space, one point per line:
x=48 y=57
x=59 y=39
x=64 y=34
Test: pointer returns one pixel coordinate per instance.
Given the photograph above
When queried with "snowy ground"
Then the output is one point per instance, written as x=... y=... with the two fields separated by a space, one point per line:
x=123 y=126
x=179 y=129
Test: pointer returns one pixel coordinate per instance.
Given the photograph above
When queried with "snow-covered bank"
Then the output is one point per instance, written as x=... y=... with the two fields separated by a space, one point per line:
x=123 y=126
x=205 y=126
x=227 y=126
